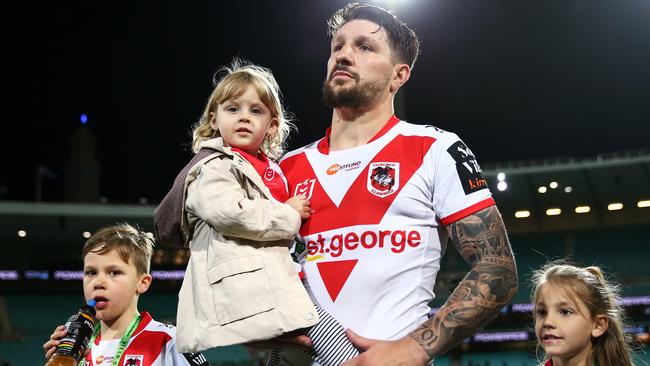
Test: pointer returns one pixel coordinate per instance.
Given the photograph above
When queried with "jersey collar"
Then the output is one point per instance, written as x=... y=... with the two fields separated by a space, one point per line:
x=324 y=143
x=145 y=319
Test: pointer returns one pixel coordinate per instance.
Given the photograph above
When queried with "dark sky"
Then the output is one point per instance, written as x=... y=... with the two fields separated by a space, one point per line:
x=515 y=79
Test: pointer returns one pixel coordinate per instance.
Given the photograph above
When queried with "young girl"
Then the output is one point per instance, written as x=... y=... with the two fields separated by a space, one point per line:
x=577 y=317
x=241 y=284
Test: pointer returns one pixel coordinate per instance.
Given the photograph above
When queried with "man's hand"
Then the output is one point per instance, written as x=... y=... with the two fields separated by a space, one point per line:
x=403 y=352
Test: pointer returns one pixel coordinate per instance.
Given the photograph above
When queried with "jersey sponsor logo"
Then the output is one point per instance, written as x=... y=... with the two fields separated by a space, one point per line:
x=269 y=174
x=305 y=187
x=336 y=167
x=383 y=178
x=133 y=360
x=396 y=240
x=469 y=172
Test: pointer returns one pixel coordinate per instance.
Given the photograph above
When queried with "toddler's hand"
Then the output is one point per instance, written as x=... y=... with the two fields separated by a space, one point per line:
x=300 y=203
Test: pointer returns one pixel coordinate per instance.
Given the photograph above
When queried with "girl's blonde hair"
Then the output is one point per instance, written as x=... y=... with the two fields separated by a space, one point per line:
x=231 y=82
x=600 y=297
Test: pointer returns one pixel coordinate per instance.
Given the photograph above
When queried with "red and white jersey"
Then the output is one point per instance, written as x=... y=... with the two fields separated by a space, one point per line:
x=152 y=344
x=374 y=243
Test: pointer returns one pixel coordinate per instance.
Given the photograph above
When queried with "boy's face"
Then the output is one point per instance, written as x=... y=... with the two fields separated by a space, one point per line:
x=114 y=284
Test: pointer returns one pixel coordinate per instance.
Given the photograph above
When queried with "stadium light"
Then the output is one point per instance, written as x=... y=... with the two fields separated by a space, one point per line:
x=22 y=233
x=553 y=185
x=522 y=214
x=583 y=209
x=615 y=206
x=642 y=204
x=568 y=189
x=502 y=186
x=501 y=176
x=553 y=211
x=541 y=189
x=86 y=234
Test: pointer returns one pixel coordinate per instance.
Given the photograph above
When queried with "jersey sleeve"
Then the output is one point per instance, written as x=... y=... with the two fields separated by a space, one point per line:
x=459 y=187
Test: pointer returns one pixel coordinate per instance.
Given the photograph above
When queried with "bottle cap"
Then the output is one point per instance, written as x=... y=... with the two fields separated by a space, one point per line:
x=92 y=303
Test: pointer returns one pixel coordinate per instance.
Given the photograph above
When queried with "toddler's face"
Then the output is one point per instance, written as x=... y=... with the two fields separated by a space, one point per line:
x=243 y=122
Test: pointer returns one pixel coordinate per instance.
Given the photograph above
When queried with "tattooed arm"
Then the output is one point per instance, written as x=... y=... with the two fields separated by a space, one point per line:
x=482 y=241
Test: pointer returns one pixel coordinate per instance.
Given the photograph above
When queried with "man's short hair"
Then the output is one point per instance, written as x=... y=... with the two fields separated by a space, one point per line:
x=129 y=242
x=401 y=38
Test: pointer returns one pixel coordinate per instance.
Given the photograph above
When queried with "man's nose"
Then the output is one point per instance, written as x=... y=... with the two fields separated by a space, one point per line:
x=344 y=55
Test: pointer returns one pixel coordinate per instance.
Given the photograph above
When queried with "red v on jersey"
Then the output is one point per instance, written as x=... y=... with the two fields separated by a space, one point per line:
x=360 y=206
x=335 y=274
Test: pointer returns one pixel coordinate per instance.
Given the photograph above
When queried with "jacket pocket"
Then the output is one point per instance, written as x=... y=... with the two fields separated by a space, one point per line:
x=240 y=289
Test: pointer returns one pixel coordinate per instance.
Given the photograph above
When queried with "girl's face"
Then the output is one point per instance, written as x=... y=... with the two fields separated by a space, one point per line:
x=244 y=121
x=565 y=328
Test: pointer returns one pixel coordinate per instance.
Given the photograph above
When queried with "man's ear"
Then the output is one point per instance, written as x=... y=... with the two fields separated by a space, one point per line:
x=143 y=285
x=601 y=322
x=401 y=74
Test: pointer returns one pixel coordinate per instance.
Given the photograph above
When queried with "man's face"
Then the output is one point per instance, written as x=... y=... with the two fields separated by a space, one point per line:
x=360 y=66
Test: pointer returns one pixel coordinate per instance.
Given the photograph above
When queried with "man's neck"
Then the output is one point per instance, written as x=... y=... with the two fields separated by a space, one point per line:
x=115 y=328
x=355 y=127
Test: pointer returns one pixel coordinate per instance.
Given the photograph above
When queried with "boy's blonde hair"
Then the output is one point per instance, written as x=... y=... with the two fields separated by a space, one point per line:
x=589 y=286
x=233 y=83
x=129 y=242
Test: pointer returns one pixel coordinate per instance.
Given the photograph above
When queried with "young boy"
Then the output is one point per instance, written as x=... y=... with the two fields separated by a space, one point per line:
x=116 y=271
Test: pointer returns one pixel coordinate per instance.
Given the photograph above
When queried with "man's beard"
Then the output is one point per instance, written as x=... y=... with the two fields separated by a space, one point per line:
x=359 y=95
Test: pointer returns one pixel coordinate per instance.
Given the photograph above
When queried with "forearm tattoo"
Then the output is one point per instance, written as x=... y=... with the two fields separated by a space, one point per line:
x=482 y=241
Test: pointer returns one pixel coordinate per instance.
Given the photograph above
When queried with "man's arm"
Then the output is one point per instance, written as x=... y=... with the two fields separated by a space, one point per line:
x=491 y=283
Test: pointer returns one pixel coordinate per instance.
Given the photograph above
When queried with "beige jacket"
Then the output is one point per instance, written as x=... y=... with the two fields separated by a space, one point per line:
x=240 y=284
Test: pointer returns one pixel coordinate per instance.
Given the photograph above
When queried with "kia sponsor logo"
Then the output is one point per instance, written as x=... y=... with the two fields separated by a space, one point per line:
x=396 y=240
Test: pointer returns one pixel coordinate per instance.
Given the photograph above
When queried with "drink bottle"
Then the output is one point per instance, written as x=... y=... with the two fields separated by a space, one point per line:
x=79 y=328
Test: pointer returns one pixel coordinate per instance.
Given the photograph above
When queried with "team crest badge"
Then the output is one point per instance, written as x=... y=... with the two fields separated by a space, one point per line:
x=383 y=178
x=133 y=360
x=305 y=187
x=269 y=174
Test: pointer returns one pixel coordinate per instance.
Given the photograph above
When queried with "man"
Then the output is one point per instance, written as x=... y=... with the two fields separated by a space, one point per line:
x=386 y=196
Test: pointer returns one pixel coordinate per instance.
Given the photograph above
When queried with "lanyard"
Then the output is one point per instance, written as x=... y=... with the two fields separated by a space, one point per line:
x=123 y=342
